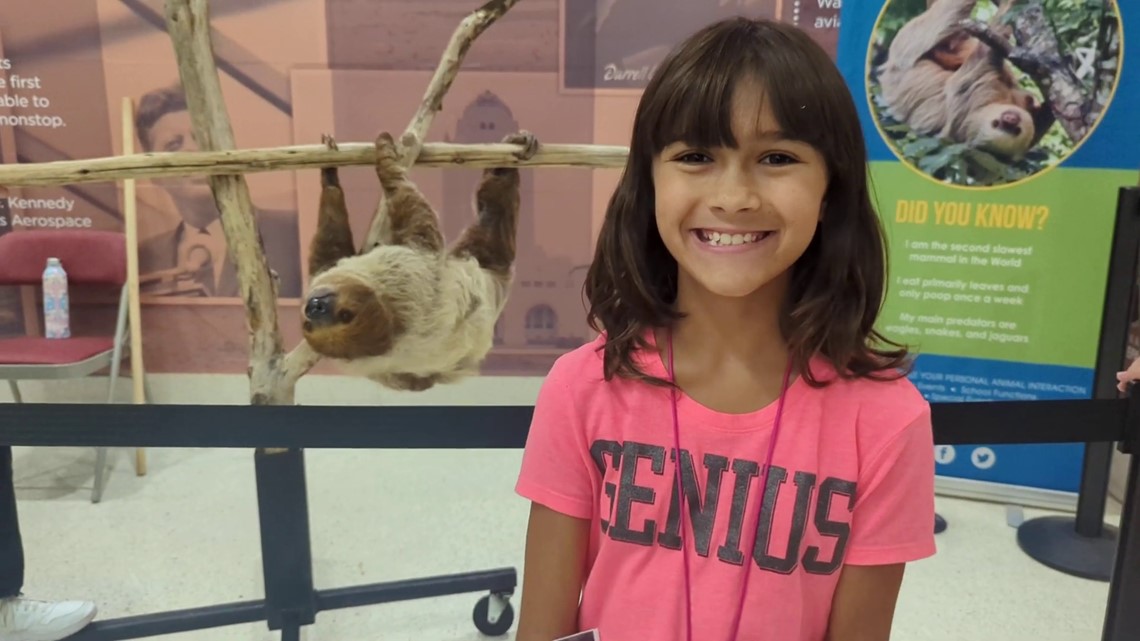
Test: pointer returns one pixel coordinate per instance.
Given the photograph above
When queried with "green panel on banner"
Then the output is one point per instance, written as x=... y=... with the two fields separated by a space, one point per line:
x=973 y=272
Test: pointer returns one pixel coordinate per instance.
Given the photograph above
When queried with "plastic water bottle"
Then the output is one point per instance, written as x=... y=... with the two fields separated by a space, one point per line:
x=56 y=320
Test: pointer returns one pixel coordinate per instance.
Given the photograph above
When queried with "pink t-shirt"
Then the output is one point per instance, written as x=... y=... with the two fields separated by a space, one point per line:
x=852 y=482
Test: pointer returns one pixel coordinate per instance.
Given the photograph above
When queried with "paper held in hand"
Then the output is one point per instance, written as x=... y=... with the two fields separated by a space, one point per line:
x=588 y=635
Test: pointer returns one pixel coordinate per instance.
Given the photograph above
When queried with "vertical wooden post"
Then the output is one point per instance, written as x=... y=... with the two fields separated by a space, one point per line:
x=134 y=311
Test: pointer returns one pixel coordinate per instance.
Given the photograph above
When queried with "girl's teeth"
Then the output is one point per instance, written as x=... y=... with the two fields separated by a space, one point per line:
x=718 y=239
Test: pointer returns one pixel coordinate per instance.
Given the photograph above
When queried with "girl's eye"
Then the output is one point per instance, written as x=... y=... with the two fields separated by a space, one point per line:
x=779 y=159
x=693 y=157
x=696 y=157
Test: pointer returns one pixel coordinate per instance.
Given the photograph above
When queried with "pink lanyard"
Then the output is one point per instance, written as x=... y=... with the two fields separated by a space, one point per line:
x=748 y=560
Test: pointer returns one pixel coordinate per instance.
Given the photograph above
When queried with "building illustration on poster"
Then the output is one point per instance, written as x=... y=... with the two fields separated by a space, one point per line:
x=996 y=150
x=544 y=310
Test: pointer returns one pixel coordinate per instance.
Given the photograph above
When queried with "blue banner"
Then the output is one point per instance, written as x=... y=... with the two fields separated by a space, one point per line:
x=999 y=134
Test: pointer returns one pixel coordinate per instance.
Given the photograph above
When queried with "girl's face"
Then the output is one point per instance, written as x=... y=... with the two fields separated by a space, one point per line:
x=737 y=219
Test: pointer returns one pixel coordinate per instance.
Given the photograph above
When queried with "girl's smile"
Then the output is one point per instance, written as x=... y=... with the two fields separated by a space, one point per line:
x=732 y=241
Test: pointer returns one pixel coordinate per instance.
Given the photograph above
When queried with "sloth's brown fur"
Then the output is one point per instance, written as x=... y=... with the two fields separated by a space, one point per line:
x=941 y=80
x=410 y=313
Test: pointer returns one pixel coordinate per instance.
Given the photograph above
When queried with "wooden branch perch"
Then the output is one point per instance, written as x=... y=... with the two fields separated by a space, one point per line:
x=188 y=24
x=250 y=161
x=449 y=63
x=273 y=375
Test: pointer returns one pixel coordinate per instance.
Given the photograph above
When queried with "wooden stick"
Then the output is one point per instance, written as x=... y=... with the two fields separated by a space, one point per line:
x=188 y=23
x=256 y=160
x=449 y=63
x=134 y=311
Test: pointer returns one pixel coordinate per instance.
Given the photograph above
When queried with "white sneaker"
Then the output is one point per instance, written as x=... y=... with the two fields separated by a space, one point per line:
x=29 y=620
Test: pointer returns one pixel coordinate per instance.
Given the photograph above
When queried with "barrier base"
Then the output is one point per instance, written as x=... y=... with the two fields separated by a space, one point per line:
x=1054 y=542
x=291 y=602
x=499 y=582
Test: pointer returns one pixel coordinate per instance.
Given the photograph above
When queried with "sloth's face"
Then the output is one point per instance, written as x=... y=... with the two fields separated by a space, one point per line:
x=343 y=318
x=1003 y=129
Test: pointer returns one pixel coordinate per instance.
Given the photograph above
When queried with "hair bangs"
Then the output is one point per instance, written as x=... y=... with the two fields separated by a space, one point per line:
x=693 y=97
x=695 y=108
x=802 y=100
x=691 y=93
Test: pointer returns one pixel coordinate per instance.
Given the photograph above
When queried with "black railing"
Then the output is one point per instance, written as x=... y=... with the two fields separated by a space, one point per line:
x=292 y=602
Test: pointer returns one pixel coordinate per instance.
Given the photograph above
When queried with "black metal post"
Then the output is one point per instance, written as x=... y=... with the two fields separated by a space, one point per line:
x=1084 y=546
x=286 y=557
x=1122 y=617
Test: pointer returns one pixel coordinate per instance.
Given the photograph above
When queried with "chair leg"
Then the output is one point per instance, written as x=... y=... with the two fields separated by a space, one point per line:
x=140 y=453
x=101 y=452
x=100 y=474
x=114 y=378
x=15 y=391
x=148 y=393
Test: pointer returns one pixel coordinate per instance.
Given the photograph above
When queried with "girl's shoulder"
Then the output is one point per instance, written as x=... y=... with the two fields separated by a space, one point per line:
x=580 y=372
x=879 y=409
x=880 y=393
x=580 y=363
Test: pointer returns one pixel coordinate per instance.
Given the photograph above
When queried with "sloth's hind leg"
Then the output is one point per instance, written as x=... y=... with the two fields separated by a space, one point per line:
x=333 y=239
x=411 y=220
x=490 y=240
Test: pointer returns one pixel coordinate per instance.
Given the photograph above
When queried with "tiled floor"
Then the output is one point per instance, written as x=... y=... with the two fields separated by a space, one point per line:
x=186 y=535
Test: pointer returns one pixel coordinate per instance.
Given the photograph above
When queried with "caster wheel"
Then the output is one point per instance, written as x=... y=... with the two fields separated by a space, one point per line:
x=493 y=615
x=939 y=524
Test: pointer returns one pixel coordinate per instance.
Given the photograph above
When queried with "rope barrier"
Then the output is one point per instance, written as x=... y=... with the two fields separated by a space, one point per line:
x=466 y=426
x=291 y=600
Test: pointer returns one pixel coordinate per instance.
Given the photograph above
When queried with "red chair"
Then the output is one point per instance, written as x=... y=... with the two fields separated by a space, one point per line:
x=89 y=258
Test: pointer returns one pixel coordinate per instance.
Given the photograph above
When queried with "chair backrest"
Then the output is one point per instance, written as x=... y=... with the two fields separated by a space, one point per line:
x=88 y=256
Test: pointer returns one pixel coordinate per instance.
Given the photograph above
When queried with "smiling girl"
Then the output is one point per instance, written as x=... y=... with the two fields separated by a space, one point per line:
x=738 y=276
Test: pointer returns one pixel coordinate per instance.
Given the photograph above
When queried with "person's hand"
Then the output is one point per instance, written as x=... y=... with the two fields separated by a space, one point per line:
x=1128 y=376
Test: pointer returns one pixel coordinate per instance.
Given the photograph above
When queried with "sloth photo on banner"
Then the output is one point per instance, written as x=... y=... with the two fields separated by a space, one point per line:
x=989 y=92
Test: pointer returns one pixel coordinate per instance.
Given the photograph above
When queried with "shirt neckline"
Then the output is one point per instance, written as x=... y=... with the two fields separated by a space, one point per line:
x=694 y=414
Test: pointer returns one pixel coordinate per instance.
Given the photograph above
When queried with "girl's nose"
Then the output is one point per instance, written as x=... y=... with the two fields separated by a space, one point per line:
x=736 y=191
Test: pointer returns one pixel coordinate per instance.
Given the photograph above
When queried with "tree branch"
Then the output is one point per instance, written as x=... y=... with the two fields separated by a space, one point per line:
x=1038 y=54
x=249 y=161
x=188 y=23
x=449 y=63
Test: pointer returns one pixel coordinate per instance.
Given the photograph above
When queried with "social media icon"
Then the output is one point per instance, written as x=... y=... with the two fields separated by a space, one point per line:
x=944 y=454
x=983 y=458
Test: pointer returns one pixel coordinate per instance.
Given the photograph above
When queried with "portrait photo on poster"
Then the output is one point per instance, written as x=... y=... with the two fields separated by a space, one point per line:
x=191 y=258
x=983 y=93
x=182 y=247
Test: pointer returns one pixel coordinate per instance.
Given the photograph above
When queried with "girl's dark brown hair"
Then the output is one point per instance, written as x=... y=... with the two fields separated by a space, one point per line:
x=836 y=288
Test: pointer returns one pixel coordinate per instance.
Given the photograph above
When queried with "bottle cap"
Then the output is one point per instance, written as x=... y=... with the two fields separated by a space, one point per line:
x=53 y=261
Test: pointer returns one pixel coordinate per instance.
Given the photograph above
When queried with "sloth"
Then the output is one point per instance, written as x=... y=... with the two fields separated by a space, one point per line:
x=942 y=81
x=410 y=312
